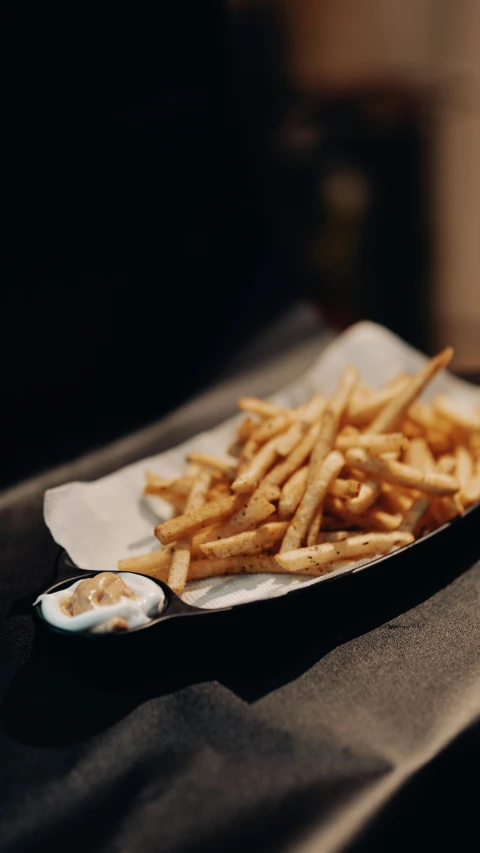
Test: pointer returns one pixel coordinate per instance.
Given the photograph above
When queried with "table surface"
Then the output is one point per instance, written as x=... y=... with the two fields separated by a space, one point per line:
x=307 y=729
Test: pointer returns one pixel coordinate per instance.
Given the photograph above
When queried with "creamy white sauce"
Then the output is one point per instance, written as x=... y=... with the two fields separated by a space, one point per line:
x=148 y=603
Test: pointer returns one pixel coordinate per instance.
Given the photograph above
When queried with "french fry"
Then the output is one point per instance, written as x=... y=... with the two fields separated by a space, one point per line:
x=415 y=514
x=313 y=410
x=334 y=536
x=377 y=444
x=358 y=546
x=395 y=500
x=312 y=498
x=367 y=495
x=271 y=427
x=188 y=523
x=245 y=429
x=283 y=470
x=148 y=563
x=292 y=492
x=438 y=441
x=294 y=456
x=397 y=472
x=249 y=542
x=331 y=420
x=178 y=486
x=207 y=568
x=314 y=526
x=362 y=411
x=396 y=409
x=257 y=468
x=372 y=519
x=345 y=488
x=446 y=464
x=252 y=511
x=269 y=490
x=424 y=415
x=218 y=490
x=456 y=414
x=464 y=466
x=418 y=455
x=227 y=469
x=411 y=429
x=262 y=408
x=289 y=440
x=178 y=573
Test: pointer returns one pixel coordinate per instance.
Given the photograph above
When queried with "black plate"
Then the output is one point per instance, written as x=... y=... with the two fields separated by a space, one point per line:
x=456 y=538
x=270 y=636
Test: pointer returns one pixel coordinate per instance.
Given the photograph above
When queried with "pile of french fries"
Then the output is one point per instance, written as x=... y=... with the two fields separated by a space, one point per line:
x=311 y=489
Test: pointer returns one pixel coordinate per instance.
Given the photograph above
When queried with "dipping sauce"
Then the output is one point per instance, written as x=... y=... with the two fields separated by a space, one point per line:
x=107 y=602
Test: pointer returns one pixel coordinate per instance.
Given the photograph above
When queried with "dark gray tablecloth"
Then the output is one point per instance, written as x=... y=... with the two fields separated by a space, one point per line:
x=353 y=729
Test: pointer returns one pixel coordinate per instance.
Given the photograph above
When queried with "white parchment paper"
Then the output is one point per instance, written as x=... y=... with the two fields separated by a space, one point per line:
x=100 y=522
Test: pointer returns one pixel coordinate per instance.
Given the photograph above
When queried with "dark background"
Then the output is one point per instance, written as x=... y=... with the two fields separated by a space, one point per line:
x=168 y=202
x=141 y=259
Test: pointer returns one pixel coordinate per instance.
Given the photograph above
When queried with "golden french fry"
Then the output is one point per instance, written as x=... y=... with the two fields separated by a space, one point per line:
x=289 y=440
x=189 y=523
x=334 y=536
x=249 y=542
x=292 y=492
x=395 y=500
x=412 y=430
x=312 y=498
x=445 y=509
x=446 y=464
x=397 y=472
x=227 y=469
x=271 y=427
x=331 y=420
x=269 y=490
x=377 y=444
x=178 y=486
x=259 y=407
x=396 y=409
x=474 y=445
x=245 y=429
x=345 y=488
x=424 y=415
x=252 y=565
x=249 y=450
x=464 y=466
x=418 y=455
x=362 y=411
x=314 y=526
x=283 y=470
x=257 y=468
x=372 y=519
x=208 y=568
x=218 y=490
x=252 y=510
x=357 y=546
x=367 y=495
x=313 y=410
x=456 y=413
x=438 y=441
x=177 y=576
x=415 y=514
x=148 y=563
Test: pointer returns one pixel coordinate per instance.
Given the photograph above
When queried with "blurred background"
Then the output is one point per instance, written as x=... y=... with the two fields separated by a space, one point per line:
x=183 y=179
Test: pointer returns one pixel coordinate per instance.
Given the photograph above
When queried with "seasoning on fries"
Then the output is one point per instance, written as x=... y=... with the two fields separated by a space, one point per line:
x=316 y=488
